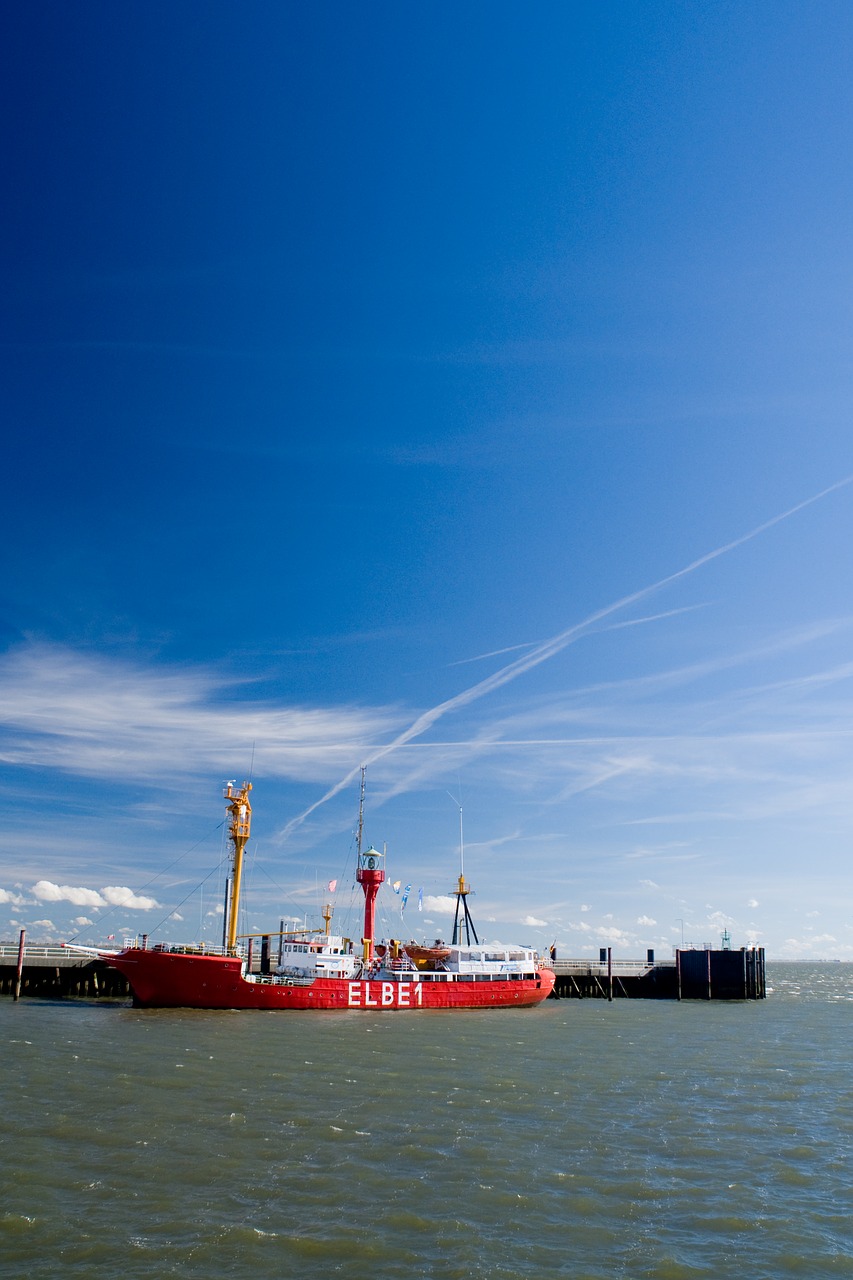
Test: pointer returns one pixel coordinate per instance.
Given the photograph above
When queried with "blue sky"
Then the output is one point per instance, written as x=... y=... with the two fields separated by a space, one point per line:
x=461 y=390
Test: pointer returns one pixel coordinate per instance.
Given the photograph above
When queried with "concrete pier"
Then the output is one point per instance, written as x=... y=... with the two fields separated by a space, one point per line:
x=60 y=974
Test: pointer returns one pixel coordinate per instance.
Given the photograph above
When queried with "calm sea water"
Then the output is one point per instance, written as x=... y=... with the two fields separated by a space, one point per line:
x=580 y=1139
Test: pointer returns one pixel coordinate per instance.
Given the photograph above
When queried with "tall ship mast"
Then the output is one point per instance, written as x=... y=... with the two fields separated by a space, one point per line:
x=462 y=922
x=370 y=874
x=240 y=814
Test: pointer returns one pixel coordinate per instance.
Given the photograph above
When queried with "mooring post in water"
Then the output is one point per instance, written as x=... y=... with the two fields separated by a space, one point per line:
x=20 y=968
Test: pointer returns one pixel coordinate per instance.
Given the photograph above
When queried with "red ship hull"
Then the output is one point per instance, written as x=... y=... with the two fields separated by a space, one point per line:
x=178 y=980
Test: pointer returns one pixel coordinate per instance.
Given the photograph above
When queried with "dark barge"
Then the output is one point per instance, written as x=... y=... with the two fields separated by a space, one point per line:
x=693 y=975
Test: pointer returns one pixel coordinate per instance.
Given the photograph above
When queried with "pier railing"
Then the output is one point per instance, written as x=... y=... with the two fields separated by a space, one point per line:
x=65 y=956
x=50 y=955
x=599 y=968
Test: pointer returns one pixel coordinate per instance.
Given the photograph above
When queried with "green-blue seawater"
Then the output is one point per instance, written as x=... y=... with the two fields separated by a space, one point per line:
x=581 y=1139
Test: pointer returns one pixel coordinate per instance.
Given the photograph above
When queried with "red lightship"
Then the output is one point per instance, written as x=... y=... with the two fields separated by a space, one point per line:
x=326 y=971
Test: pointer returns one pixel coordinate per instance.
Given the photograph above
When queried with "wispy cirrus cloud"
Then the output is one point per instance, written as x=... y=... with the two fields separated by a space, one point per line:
x=550 y=648
x=98 y=716
x=113 y=720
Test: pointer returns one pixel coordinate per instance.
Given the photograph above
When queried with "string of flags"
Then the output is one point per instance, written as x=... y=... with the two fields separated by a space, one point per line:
x=403 y=895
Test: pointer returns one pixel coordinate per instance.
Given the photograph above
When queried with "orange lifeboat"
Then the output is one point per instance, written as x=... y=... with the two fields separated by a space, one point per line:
x=427 y=957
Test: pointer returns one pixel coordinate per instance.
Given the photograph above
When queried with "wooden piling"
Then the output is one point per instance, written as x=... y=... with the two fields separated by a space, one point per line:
x=20 y=969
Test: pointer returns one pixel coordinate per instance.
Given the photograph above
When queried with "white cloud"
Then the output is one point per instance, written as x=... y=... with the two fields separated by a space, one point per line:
x=585 y=906
x=533 y=922
x=120 y=896
x=441 y=903
x=44 y=924
x=112 y=895
x=82 y=921
x=611 y=934
x=47 y=891
x=649 y=884
x=753 y=902
x=647 y=920
x=719 y=920
x=14 y=899
x=604 y=933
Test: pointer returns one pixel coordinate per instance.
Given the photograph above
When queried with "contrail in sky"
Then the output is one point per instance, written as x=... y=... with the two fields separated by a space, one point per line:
x=548 y=649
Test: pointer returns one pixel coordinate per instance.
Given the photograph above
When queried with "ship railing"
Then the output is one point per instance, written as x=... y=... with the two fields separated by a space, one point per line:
x=187 y=948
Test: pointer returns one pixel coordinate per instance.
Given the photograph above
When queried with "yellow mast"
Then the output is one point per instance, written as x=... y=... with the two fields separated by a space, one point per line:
x=241 y=820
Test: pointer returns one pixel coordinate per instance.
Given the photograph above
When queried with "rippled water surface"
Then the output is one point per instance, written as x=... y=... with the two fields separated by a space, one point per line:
x=636 y=1139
